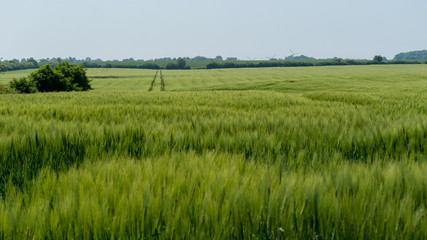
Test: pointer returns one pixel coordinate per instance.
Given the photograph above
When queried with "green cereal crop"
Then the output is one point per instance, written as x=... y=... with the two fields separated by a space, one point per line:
x=294 y=153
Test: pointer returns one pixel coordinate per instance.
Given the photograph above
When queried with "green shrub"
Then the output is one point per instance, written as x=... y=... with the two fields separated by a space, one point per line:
x=63 y=77
x=77 y=74
x=23 y=85
x=5 y=89
x=47 y=79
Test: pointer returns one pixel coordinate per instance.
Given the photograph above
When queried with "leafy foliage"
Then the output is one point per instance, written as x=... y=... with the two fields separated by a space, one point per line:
x=14 y=65
x=299 y=58
x=6 y=89
x=46 y=79
x=63 y=77
x=413 y=55
x=180 y=64
x=171 y=66
x=200 y=62
x=77 y=74
x=23 y=85
x=378 y=59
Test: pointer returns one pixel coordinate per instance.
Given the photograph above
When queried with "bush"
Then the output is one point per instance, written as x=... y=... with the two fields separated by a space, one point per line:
x=77 y=75
x=171 y=66
x=63 y=77
x=23 y=85
x=47 y=79
x=6 y=90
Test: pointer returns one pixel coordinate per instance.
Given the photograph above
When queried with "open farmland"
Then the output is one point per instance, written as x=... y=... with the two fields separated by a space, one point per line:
x=297 y=153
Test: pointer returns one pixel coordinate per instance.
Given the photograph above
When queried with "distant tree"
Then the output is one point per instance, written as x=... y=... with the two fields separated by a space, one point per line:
x=218 y=58
x=199 y=58
x=181 y=63
x=413 y=55
x=231 y=59
x=378 y=59
x=164 y=59
x=34 y=62
x=337 y=61
x=71 y=59
x=149 y=66
x=299 y=58
x=171 y=66
x=213 y=65
x=229 y=65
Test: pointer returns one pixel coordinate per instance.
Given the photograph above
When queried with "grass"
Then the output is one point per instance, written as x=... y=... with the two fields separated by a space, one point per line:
x=220 y=196
x=162 y=82
x=301 y=80
x=319 y=152
x=357 y=79
x=6 y=77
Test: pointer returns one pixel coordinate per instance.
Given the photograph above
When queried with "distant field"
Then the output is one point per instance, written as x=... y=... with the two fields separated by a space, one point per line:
x=374 y=78
x=289 y=153
x=6 y=77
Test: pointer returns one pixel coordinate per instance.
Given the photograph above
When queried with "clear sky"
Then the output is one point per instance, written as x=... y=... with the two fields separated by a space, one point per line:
x=117 y=29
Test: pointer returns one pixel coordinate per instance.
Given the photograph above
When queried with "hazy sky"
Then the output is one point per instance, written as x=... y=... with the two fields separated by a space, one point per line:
x=117 y=29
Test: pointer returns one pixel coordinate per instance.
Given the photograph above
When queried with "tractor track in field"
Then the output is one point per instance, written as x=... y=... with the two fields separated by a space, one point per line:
x=153 y=82
x=162 y=82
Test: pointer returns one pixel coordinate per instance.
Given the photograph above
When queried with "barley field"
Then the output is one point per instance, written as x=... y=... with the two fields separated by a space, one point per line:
x=267 y=153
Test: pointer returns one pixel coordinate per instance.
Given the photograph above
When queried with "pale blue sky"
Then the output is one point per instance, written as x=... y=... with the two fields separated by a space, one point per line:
x=117 y=29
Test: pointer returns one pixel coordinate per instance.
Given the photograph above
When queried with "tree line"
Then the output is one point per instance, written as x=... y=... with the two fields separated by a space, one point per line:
x=414 y=55
x=16 y=65
x=202 y=63
x=311 y=63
